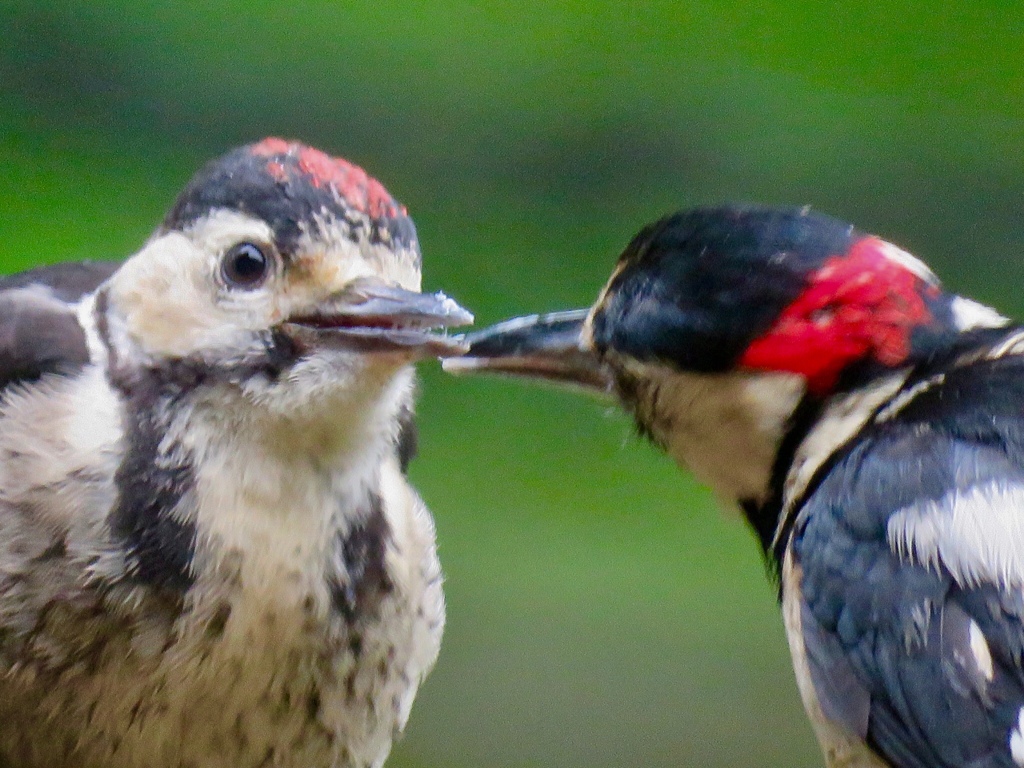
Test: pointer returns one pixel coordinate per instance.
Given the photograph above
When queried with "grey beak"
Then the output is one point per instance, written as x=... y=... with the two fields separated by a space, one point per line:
x=547 y=347
x=382 y=318
x=385 y=304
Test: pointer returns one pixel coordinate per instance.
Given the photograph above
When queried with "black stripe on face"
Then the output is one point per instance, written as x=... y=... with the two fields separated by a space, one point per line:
x=149 y=518
x=360 y=580
x=407 y=444
x=764 y=516
x=273 y=352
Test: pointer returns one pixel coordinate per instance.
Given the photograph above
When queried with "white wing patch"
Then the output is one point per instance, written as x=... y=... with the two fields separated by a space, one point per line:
x=1017 y=740
x=979 y=649
x=976 y=534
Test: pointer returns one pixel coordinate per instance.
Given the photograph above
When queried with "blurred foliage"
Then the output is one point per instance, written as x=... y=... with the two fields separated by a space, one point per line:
x=602 y=612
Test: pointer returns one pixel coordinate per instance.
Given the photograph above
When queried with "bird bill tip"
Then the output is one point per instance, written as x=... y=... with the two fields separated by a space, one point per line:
x=454 y=313
x=546 y=347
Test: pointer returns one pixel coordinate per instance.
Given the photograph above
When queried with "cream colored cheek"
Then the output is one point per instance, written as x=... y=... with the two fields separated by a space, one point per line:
x=314 y=276
x=171 y=310
x=163 y=309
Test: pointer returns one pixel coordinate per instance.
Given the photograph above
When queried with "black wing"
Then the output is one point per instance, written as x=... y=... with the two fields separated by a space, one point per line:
x=39 y=332
x=912 y=559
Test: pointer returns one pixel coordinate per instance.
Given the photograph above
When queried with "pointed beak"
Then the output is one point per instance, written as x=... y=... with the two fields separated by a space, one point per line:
x=547 y=347
x=371 y=317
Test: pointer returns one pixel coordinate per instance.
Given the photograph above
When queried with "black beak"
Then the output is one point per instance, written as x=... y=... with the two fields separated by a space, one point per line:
x=371 y=317
x=547 y=347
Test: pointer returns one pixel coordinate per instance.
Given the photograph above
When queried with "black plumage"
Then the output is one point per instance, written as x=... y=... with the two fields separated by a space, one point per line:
x=683 y=291
x=39 y=332
x=903 y=628
x=870 y=426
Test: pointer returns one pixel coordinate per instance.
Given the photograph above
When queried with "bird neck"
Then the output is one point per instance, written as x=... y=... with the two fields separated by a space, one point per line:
x=756 y=439
x=336 y=429
x=815 y=434
x=759 y=438
x=724 y=428
x=822 y=428
x=216 y=487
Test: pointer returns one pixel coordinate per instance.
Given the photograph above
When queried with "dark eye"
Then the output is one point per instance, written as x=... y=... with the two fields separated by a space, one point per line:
x=245 y=266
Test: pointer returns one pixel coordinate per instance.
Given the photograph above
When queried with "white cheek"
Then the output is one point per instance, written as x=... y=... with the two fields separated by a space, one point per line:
x=163 y=306
x=725 y=428
x=169 y=301
x=1017 y=740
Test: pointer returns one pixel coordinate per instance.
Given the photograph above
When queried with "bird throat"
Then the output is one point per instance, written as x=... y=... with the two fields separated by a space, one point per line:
x=724 y=428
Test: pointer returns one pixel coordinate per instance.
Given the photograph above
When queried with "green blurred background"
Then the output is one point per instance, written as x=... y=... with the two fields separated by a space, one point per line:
x=603 y=611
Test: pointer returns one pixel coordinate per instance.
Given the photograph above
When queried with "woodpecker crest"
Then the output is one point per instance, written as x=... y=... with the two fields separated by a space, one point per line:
x=274 y=259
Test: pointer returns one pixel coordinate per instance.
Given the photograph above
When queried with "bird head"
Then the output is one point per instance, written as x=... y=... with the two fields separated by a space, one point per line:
x=733 y=316
x=281 y=275
x=763 y=290
x=742 y=289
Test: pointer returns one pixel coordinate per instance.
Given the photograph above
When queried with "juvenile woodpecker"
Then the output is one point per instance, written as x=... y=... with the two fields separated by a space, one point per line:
x=869 y=424
x=209 y=554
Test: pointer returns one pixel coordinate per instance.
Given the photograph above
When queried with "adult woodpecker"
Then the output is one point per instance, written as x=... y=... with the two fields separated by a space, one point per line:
x=209 y=553
x=870 y=426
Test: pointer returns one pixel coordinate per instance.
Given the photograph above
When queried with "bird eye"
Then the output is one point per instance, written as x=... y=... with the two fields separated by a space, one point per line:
x=245 y=266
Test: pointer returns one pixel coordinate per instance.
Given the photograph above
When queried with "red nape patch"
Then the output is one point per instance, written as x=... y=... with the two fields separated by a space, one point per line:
x=359 y=189
x=860 y=305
